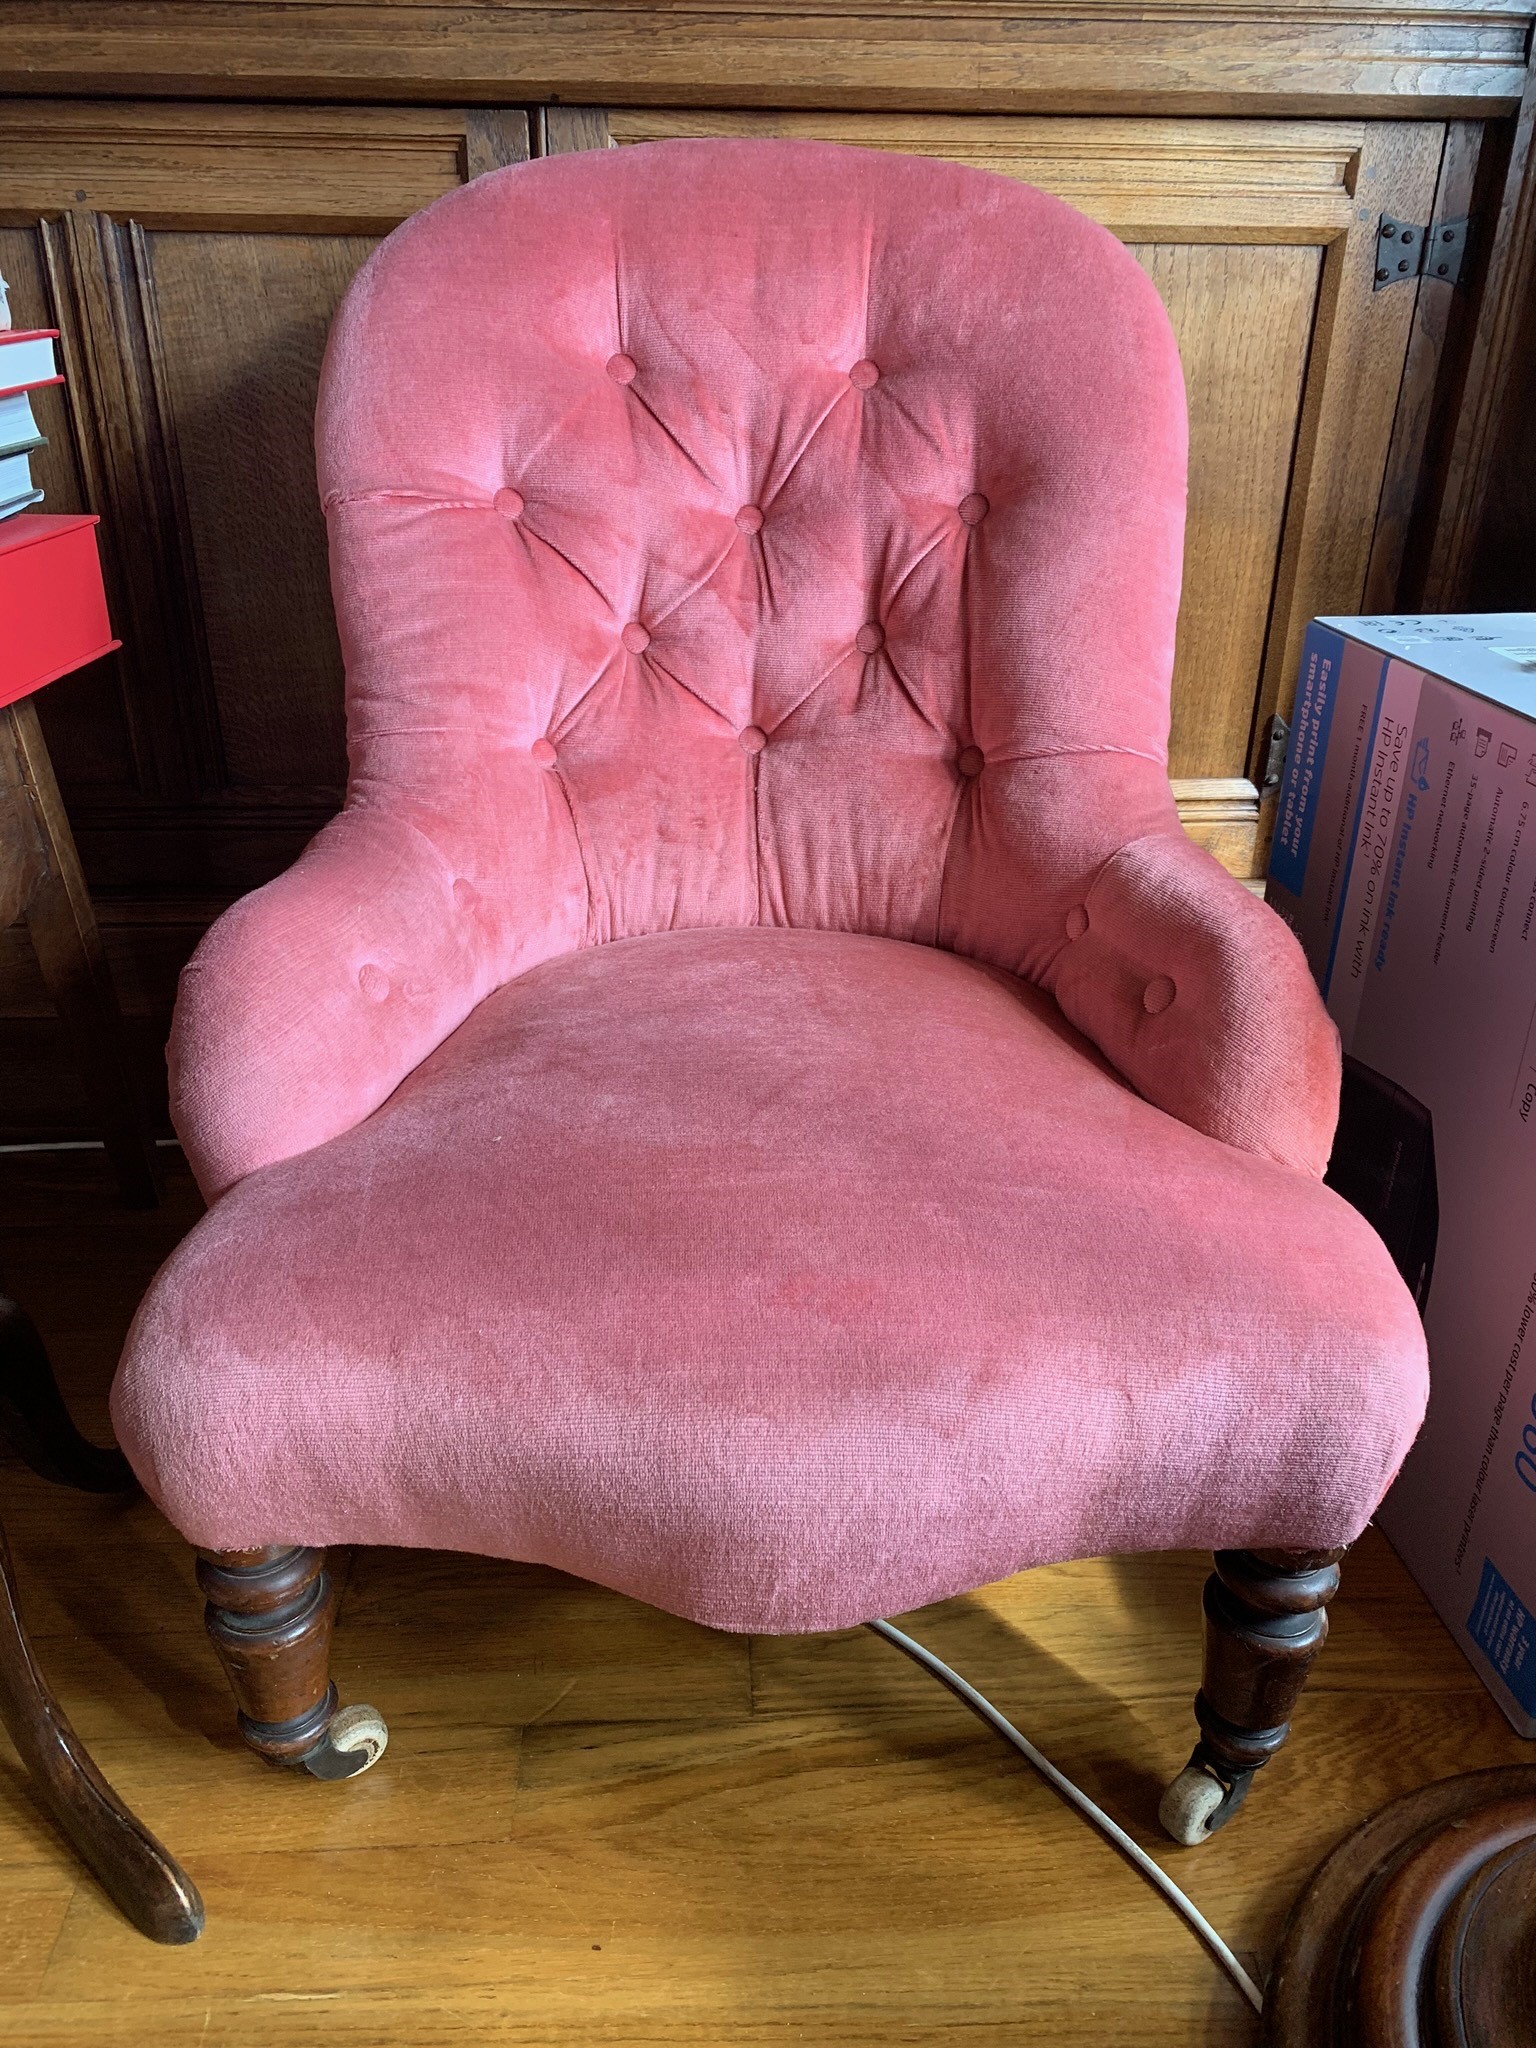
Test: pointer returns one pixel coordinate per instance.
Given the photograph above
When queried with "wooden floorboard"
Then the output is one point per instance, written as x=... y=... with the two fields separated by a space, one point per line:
x=598 y=1824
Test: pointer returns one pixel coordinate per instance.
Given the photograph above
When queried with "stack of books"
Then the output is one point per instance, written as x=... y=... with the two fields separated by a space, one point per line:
x=53 y=610
x=26 y=364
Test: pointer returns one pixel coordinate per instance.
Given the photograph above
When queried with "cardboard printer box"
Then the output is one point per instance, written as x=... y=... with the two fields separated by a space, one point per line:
x=1404 y=859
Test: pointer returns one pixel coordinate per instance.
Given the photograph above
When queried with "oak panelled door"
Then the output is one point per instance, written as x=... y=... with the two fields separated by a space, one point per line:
x=192 y=258
x=1261 y=237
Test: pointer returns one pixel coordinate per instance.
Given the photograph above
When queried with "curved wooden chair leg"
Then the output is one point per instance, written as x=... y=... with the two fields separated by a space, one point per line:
x=145 y=1881
x=271 y=1613
x=1266 y=1618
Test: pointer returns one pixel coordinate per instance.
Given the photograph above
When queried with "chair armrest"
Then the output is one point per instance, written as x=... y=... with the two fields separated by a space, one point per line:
x=309 y=1002
x=1201 y=997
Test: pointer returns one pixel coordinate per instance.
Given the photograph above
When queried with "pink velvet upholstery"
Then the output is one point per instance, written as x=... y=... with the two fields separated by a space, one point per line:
x=765 y=555
x=781 y=1278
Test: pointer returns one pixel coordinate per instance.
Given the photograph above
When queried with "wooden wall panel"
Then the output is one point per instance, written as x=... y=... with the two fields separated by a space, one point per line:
x=243 y=322
x=1480 y=544
x=1501 y=573
x=1244 y=317
x=192 y=254
x=1372 y=58
x=1355 y=376
x=192 y=258
x=1260 y=236
x=340 y=170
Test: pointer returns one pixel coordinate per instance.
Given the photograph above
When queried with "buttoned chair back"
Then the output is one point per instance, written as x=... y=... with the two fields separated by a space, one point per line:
x=736 y=532
x=750 y=532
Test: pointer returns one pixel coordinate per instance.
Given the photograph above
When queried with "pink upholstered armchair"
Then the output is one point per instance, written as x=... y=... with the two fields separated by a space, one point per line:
x=755 y=1100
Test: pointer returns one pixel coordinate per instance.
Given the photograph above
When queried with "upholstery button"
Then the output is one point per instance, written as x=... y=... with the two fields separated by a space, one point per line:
x=1077 y=921
x=509 y=504
x=869 y=639
x=635 y=637
x=749 y=519
x=974 y=509
x=971 y=762
x=751 y=739
x=543 y=752
x=1157 y=995
x=863 y=375
x=373 y=982
x=621 y=369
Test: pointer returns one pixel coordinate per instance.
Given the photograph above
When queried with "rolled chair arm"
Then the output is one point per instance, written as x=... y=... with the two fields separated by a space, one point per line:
x=1201 y=997
x=309 y=1001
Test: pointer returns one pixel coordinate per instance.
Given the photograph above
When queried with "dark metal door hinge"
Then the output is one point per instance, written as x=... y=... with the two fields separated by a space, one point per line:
x=1399 y=250
x=1404 y=250
x=1445 y=250
x=1277 y=740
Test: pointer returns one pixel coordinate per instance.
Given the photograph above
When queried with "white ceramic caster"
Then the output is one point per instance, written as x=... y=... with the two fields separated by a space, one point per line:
x=1197 y=1803
x=354 y=1740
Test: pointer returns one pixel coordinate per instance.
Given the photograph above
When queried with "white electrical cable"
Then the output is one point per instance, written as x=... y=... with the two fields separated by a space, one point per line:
x=1183 y=1906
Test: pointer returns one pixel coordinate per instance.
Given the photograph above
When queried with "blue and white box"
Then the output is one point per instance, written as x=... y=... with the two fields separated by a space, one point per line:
x=1404 y=858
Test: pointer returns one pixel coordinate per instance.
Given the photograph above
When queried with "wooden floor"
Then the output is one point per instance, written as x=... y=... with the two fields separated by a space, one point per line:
x=598 y=1824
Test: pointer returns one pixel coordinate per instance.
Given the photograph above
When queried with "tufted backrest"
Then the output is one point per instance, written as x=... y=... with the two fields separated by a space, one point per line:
x=757 y=531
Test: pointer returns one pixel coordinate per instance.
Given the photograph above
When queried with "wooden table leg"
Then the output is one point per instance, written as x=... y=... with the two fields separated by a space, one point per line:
x=69 y=951
x=132 y=1867
x=147 y=1883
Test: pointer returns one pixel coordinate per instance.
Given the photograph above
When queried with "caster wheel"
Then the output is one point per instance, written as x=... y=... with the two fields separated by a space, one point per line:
x=353 y=1742
x=1197 y=1803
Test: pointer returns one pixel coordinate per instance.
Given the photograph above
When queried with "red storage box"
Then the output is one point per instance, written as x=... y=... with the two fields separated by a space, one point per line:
x=53 y=610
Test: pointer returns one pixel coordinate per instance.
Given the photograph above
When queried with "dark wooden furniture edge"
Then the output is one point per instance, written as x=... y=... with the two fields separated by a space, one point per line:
x=1359 y=61
x=1485 y=505
x=41 y=880
x=1420 y=1928
x=147 y=1883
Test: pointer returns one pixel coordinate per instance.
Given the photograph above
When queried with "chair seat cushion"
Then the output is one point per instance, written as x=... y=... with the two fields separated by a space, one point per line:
x=782 y=1279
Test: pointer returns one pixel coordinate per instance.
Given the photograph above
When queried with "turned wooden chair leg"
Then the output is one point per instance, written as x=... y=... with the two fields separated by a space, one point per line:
x=270 y=1614
x=1266 y=1618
